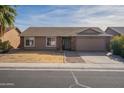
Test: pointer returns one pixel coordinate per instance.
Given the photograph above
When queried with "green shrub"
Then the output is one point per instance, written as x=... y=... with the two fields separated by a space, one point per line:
x=122 y=51
x=5 y=45
x=0 y=44
x=117 y=43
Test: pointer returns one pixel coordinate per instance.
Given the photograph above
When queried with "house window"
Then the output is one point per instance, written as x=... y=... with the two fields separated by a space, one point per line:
x=29 y=42
x=51 y=42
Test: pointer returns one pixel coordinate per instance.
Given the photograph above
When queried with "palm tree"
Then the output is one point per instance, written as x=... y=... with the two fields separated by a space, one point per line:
x=7 y=17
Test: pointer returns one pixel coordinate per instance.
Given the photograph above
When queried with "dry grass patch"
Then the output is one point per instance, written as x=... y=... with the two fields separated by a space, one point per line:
x=33 y=56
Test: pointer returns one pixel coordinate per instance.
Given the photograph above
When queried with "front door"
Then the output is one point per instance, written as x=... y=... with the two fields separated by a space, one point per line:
x=66 y=43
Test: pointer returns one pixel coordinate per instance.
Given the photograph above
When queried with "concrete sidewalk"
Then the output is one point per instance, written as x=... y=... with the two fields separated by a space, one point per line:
x=62 y=65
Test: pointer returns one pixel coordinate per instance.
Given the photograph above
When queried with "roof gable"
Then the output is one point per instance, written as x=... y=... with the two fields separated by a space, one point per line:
x=89 y=31
x=119 y=30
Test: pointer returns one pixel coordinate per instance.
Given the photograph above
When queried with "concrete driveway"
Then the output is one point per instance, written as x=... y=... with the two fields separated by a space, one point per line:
x=98 y=58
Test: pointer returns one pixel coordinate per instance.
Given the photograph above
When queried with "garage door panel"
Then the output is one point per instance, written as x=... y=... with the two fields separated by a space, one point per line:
x=91 y=44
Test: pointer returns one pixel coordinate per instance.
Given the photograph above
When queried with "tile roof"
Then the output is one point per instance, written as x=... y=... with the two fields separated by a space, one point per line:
x=119 y=30
x=60 y=31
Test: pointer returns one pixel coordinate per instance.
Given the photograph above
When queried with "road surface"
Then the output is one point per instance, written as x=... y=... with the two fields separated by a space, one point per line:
x=38 y=78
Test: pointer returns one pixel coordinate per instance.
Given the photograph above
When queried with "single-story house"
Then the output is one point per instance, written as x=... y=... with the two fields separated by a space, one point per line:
x=13 y=36
x=115 y=31
x=65 y=38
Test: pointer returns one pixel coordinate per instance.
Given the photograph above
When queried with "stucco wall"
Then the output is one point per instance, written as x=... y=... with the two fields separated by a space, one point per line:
x=108 y=39
x=77 y=43
x=40 y=43
x=59 y=43
x=13 y=36
x=73 y=43
x=21 y=45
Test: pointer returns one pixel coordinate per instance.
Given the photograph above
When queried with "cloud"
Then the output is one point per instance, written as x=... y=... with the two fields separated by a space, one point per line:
x=101 y=16
x=87 y=15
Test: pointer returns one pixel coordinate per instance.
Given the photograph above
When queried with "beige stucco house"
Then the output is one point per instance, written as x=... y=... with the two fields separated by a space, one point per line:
x=65 y=38
x=13 y=36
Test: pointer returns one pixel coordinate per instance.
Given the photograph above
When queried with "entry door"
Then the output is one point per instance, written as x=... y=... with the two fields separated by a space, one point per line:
x=66 y=43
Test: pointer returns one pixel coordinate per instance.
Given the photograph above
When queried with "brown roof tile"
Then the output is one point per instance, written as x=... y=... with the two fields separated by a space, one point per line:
x=59 y=31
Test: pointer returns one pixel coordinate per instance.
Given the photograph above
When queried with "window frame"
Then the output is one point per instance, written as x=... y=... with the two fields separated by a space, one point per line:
x=47 y=41
x=29 y=38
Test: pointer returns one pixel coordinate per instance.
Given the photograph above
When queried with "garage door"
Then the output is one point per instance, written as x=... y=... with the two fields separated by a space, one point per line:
x=91 y=44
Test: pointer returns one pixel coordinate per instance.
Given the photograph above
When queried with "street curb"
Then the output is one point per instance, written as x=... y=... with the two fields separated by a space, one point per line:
x=58 y=68
x=62 y=65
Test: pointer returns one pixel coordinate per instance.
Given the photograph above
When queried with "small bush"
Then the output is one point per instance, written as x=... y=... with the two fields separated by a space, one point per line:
x=0 y=44
x=117 y=45
x=5 y=45
x=122 y=51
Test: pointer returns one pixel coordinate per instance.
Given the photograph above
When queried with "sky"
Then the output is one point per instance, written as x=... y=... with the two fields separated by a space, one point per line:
x=69 y=16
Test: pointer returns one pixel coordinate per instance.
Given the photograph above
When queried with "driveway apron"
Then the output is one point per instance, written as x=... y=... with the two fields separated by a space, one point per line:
x=73 y=57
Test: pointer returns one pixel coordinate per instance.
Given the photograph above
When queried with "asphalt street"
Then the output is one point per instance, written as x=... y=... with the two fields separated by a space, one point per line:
x=23 y=78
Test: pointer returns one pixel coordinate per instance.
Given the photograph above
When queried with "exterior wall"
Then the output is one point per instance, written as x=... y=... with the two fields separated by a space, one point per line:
x=77 y=43
x=111 y=32
x=21 y=45
x=40 y=43
x=73 y=43
x=59 y=43
x=108 y=39
x=91 y=44
x=13 y=36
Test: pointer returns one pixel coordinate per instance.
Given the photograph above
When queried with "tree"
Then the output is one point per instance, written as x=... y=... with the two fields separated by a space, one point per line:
x=7 y=17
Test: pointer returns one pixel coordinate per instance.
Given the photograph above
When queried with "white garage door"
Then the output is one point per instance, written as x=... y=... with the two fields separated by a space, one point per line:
x=91 y=44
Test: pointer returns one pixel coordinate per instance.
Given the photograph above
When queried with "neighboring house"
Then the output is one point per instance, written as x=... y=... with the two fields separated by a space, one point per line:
x=65 y=38
x=13 y=36
x=115 y=31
